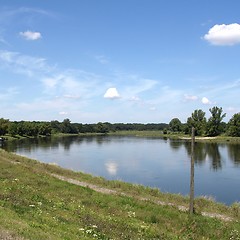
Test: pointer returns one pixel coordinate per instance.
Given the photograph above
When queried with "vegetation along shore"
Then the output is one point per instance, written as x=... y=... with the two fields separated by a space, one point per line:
x=212 y=127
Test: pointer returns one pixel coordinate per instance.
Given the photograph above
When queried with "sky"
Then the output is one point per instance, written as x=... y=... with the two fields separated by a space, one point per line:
x=129 y=61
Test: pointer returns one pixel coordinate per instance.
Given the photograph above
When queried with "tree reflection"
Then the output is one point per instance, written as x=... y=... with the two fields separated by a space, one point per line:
x=199 y=152
x=214 y=155
x=234 y=153
x=175 y=145
x=204 y=151
x=30 y=144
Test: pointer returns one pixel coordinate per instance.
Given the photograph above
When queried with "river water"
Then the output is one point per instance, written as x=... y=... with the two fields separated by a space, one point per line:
x=154 y=162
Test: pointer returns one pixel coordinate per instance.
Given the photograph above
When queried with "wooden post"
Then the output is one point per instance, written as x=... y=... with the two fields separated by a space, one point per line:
x=191 y=205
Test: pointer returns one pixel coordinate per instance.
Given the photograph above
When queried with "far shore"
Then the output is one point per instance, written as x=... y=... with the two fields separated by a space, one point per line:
x=199 y=138
x=152 y=134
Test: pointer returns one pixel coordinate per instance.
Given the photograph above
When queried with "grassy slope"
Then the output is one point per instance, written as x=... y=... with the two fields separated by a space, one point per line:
x=35 y=205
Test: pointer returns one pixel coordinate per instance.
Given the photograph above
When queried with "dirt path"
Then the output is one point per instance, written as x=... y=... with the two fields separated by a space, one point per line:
x=5 y=235
x=109 y=191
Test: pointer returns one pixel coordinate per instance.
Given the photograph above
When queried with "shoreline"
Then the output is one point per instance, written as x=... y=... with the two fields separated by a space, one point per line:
x=153 y=134
x=43 y=201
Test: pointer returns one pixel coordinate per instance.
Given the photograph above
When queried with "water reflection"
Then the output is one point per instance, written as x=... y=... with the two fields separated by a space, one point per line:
x=175 y=145
x=205 y=152
x=161 y=163
x=234 y=154
x=112 y=168
x=214 y=156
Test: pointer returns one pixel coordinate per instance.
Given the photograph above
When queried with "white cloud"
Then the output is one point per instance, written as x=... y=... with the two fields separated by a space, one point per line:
x=224 y=34
x=205 y=100
x=102 y=59
x=71 y=96
x=8 y=93
x=140 y=85
x=50 y=82
x=23 y=64
x=111 y=93
x=63 y=113
x=69 y=83
x=232 y=109
x=2 y=40
x=190 y=97
x=29 y=35
x=152 y=108
x=135 y=99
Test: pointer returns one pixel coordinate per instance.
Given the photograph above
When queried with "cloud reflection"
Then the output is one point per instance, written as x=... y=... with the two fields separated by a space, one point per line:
x=111 y=168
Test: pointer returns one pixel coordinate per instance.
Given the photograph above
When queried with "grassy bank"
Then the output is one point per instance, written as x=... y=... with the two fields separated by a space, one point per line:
x=181 y=136
x=36 y=205
x=151 y=134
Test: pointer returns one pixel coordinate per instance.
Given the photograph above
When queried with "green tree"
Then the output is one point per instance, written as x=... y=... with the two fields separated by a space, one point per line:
x=198 y=121
x=13 y=128
x=101 y=128
x=234 y=125
x=68 y=127
x=44 y=128
x=3 y=126
x=214 y=124
x=28 y=128
x=175 y=125
x=55 y=126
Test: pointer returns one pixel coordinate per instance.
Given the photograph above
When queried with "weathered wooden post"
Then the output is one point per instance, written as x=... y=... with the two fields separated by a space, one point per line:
x=191 y=204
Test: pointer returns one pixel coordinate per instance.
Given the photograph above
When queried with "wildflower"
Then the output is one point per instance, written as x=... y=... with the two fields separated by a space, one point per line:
x=131 y=214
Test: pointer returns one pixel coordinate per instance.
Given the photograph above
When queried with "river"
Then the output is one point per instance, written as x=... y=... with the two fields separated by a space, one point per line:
x=154 y=162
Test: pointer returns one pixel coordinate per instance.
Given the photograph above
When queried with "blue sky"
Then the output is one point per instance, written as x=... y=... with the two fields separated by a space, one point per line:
x=118 y=61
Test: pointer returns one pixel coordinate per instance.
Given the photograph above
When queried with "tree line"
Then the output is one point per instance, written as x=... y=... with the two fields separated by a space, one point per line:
x=36 y=128
x=213 y=126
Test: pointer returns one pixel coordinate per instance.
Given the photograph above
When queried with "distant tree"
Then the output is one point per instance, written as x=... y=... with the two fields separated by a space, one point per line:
x=29 y=128
x=66 y=126
x=214 y=126
x=234 y=126
x=101 y=128
x=55 y=126
x=13 y=128
x=44 y=128
x=198 y=121
x=165 y=131
x=175 y=125
x=3 y=126
x=88 y=128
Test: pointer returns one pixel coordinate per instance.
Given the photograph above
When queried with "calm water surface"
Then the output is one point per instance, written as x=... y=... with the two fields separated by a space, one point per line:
x=160 y=163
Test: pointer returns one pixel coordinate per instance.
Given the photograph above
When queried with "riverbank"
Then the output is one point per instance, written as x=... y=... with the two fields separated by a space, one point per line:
x=41 y=201
x=179 y=136
x=151 y=134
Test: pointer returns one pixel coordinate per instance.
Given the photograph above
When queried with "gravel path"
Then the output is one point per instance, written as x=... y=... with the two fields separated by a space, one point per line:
x=109 y=191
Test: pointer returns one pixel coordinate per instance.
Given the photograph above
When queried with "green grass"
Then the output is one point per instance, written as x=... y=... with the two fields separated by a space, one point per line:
x=172 y=135
x=151 y=134
x=35 y=205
